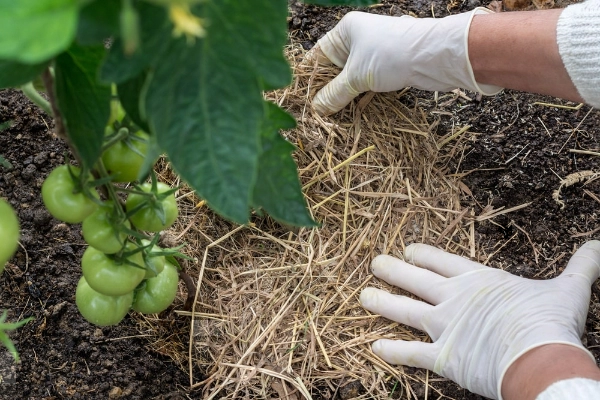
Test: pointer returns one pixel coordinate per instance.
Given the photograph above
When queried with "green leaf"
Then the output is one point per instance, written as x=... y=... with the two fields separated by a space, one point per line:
x=33 y=31
x=260 y=37
x=98 y=21
x=82 y=100
x=155 y=34
x=5 y=163
x=130 y=94
x=278 y=190
x=13 y=74
x=4 y=327
x=204 y=101
x=355 y=3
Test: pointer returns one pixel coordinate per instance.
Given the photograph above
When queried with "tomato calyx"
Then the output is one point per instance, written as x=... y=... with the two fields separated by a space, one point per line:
x=153 y=200
x=156 y=257
x=125 y=255
x=83 y=182
x=128 y=136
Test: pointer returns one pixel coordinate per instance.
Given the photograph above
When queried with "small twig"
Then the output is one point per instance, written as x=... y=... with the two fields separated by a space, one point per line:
x=535 y=251
x=592 y=195
x=587 y=152
x=575 y=130
x=453 y=136
x=515 y=156
x=191 y=290
x=33 y=95
x=498 y=249
x=577 y=107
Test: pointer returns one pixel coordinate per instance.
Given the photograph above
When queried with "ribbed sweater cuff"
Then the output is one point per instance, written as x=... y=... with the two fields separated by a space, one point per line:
x=574 y=388
x=578 y=37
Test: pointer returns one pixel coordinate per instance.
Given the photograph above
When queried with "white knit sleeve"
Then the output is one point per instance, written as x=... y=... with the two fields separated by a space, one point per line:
x=576 y=388
x=578 y=37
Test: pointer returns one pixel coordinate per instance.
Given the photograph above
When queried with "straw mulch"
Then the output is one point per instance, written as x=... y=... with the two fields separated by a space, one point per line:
x=277 y=312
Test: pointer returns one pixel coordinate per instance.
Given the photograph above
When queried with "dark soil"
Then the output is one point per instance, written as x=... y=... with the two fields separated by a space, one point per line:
x=62 y=355
x=517 y=157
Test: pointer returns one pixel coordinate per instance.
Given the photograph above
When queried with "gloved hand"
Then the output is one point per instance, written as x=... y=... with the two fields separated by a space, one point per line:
x=383 y=54
x=480 y=319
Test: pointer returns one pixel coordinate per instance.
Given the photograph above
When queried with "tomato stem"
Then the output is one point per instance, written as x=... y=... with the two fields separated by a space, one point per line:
x=134 y=191
x=120 y=135
x=33 y=95
x=111 y=190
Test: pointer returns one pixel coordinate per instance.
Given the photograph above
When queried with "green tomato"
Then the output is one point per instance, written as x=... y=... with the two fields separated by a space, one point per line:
x=148 y=217
x=100 y=309
x=124 y=159
x=9 y=233
x=110 y=277
x=153 y=263
x=100 y=229
x=62 y=200
x=159 y=292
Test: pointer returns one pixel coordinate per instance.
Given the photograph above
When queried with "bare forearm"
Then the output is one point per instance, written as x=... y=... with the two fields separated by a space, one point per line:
x=518 y=50
x=537 y=369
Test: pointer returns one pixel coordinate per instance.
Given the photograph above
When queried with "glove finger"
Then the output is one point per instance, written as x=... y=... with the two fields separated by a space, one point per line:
x=335 y=44
x=335 y=95
x=315 y=56
x=426 y=284
x=439 y=261
x=412 y=354
x=585 y=262
x=401 y=309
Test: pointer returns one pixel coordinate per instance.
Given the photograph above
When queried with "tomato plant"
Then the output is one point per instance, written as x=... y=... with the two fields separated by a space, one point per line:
x=209 y=119
x=152 y=211
x=112 y=276
x=9 y=233
x=101 y=309
x=103 y=229
x=159 y=292
x=65 y=198
x=125 y=158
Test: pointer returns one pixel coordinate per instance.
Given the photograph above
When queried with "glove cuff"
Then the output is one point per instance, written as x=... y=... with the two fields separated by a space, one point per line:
x=486 y=90
x=441 y=55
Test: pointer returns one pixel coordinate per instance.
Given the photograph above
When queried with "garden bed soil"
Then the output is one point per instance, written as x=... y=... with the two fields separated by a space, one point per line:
x=62 y=355
x=517 y=153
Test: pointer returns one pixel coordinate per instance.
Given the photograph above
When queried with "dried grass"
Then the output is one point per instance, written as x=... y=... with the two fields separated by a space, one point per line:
x=277 y=312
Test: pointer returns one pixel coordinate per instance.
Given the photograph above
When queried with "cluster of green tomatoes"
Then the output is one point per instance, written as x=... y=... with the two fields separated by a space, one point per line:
x=121 y=217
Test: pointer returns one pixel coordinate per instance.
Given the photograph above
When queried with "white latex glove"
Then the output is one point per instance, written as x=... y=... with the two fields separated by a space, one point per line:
x=383 y=54
x=482 y=319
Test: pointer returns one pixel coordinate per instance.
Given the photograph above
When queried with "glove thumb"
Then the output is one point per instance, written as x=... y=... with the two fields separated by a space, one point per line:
x=335 y=95
x=585 y=261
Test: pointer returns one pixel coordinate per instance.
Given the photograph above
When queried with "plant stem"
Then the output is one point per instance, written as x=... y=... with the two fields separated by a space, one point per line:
x=120 y=135
x=133 y=191
x=29 y=90
x=110 y=191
